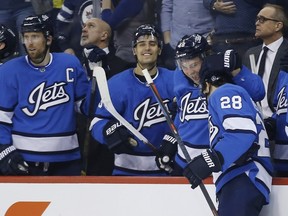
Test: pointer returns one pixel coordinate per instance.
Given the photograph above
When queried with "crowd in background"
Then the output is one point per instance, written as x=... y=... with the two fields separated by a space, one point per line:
x=225 y=25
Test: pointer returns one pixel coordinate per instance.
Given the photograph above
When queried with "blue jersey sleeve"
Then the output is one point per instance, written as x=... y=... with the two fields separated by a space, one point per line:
x=124 y=10
x=7 y=103
x=251 y=82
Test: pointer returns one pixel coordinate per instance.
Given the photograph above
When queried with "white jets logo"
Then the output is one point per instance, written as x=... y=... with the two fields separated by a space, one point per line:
x=43 y=97
x=193 y=108
x=148 y=114
x=282 y=102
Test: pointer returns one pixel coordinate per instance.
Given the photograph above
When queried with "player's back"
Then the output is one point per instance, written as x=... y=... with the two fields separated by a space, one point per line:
x=235 y=125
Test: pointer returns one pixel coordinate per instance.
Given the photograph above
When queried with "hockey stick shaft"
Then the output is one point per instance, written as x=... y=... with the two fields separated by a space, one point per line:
x=99 y=74
x=96 y=8
x=177 y=136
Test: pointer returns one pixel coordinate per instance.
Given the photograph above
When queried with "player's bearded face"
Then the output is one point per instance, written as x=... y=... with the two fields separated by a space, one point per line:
x=191 y=68
x=36 y=45
x=147 y=50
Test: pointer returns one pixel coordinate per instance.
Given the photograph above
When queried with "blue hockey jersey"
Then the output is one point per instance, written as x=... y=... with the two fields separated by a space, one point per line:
x=192 y=117
x=235 y=124
x=280 y=152
x=38 y=107
x=134 y=101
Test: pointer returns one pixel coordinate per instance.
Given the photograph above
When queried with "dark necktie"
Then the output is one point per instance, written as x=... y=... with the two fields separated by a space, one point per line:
x=262 y=62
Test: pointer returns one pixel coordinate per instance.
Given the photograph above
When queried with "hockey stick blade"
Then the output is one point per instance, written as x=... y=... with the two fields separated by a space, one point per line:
x=100 y=75
x=177 y=136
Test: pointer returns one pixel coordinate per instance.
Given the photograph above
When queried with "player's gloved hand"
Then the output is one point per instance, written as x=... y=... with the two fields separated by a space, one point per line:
x=284 y=63
x=96 y=54
x=11 y=162
x=117 y=137
x=166 y=153
x=270 y=125
x=248 y=154
x=231 y=61
x=202 y=166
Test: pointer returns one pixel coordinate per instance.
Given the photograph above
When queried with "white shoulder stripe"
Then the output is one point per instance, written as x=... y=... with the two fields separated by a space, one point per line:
x=67 y=10
x=239 y=123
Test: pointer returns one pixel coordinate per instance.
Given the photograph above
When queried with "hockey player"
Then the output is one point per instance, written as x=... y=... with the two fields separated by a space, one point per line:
x=7 y=44
x=276 y=125
x=239 y=155
x=39 y=94
x=192 y=117
x=133 y=99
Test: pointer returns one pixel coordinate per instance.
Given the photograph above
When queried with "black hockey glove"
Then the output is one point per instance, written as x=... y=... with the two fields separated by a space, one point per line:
x=231 y=61
x=202 y=167
x=284 y=63
x=166 y=153
x=270 y=125
x=96 y=54
x=117 y=137
x=11 y=162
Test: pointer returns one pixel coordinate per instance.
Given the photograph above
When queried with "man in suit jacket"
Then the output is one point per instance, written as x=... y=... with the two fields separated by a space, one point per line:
x=271 y=24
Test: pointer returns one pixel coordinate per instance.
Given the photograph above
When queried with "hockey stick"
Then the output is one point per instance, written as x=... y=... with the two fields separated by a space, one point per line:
x=252 y=63
x=87 y=138
x=100 y=76
x=97 y=8
x=177 y=136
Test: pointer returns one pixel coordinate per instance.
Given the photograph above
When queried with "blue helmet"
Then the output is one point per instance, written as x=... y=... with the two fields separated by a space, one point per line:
x=191 y=46
x=40 y=23
x=146 y=29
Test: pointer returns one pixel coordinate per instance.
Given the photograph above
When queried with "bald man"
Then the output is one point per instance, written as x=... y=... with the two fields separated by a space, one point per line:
x=95 y=39
x=95 y=32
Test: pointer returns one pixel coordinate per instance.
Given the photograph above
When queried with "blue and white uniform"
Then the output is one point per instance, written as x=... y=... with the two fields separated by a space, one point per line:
x=192 y=117
x=37 y=107
x=134 y=101
x=280 y=152
x=234 y=125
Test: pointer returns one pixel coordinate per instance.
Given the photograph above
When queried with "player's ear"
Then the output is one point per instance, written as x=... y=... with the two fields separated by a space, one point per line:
x=159 y=51
x=49 y=40
x=2 y=45
x=134 y=51
x=206 y=88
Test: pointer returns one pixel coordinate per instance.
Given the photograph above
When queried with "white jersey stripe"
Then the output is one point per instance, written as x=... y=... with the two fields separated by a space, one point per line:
x=45 y=144
x=6 y=117
x=136 y=162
